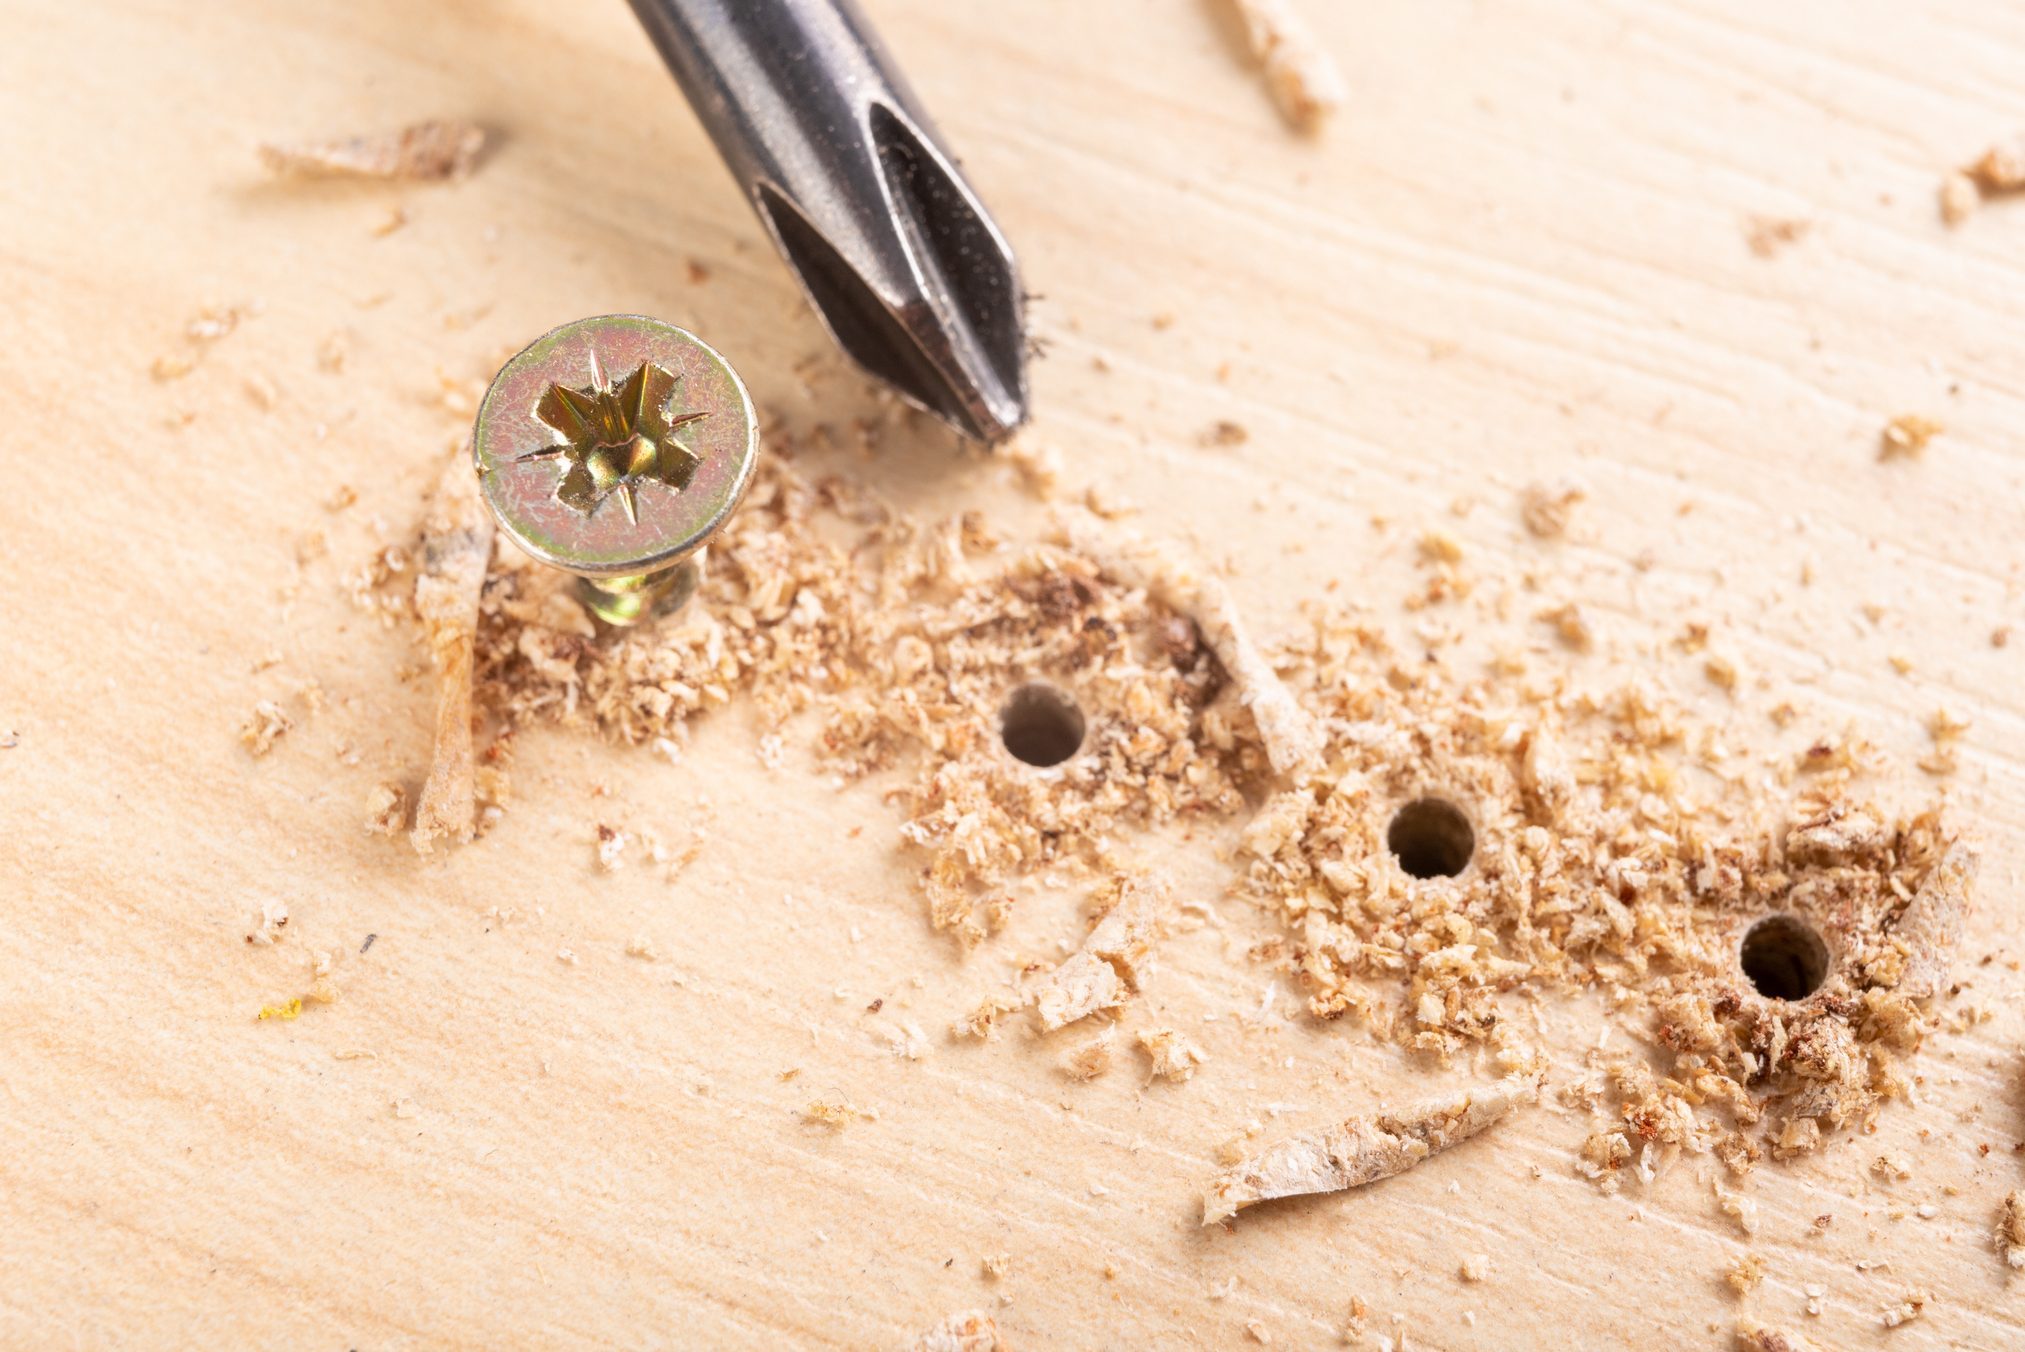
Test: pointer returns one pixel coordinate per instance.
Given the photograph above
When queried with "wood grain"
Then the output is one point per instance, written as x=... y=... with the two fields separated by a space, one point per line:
x=1520 y=253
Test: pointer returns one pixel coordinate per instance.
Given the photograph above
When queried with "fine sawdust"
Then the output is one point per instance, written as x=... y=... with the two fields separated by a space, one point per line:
x=426 y=151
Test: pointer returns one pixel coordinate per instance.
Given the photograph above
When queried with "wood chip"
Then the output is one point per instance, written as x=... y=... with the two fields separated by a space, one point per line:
x=1170 y=1055
x=425 y=151
x=1907 y=435
x=1546 y=508
x=1931 y=925
x=964 y=1331
x=1303 y=77
x=266 y=725
x=456 y=545
x=1905 y=1309
x=1362 y=1150
x=1108 y=968
x=2011 y=1229
x=1755 y=1337
x=1959 y=198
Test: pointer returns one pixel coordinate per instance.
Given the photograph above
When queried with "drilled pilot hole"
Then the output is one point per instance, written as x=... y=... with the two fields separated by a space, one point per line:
x=1784 y=957
x=1040 y=725
x=1431 y=838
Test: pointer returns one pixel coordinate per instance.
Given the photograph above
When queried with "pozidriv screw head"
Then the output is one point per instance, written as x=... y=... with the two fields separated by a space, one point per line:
x=614 y=448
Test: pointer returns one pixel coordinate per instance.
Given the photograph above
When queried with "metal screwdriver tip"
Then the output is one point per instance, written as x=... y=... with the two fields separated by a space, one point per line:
x=894 y=249
x=614 y=448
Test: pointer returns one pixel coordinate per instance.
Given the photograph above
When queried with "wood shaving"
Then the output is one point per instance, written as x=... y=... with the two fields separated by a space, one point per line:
x=1288 y=731
x=1744 y=1274
x=1362 y=1150
x=1475 y=1267
x=442 y=149
x=456 y=544
x=1303 y=77
x=1753 y=1336
x=1170 y=1056
x=964 y=1331
x=1907 y=435
x=264 y=727
x=1930 y=927
x=1114 y=959
x=1546 y=508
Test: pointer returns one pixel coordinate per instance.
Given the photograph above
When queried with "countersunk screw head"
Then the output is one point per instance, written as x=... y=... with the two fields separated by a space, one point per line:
x=614 y=448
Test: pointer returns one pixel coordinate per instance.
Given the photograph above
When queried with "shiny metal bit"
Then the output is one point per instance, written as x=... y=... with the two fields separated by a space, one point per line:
x=895 y=251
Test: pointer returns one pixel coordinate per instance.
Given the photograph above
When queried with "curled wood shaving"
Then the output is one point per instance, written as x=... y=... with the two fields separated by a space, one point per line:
x=456 y=544
x=425 y=151
x=1288 y=731
x=964 y=1331
x=1108 y=968
x=1303 y=77
x=1362 y=1150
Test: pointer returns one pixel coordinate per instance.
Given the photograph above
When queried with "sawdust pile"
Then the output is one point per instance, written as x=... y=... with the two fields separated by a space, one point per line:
x=1556 y=838
x=1999 y=172
x=908 y=640
x=1607 y=842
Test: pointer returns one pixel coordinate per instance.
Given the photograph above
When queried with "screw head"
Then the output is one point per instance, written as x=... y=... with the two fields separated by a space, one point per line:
x=615 y=446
